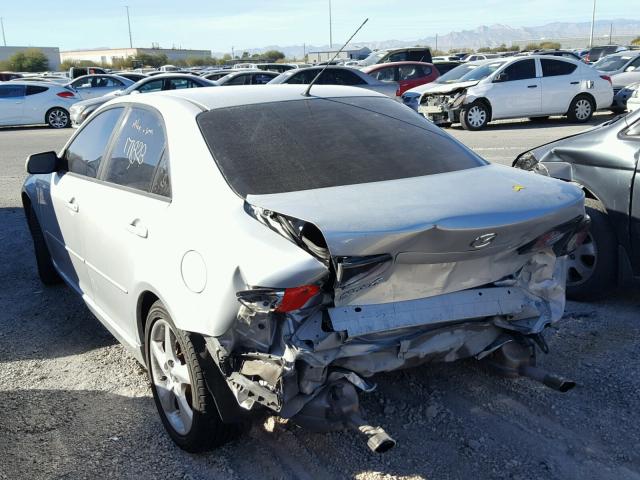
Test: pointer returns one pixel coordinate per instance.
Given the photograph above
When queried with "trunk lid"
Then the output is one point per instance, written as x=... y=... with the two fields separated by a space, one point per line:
x=444 y=232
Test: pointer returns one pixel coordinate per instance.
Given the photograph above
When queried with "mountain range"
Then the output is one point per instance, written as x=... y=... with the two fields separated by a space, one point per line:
x=484 y=36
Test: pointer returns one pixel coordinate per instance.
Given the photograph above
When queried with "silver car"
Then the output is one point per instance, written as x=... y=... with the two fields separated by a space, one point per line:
x=92 y=86
x=262 y=250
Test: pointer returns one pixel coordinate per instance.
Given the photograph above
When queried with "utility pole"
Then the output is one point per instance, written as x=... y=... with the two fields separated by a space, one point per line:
x=233 y=55
x=593 y=20
x=436 y=43
x=4 y=40
x=610 y=32
x=129 y=24
x=330 y=28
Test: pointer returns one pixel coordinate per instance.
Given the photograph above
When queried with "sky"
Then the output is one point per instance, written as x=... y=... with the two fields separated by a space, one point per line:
x=218 y=25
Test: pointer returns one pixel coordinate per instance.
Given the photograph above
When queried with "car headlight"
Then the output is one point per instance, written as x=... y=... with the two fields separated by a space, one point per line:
x=77 y=108
x=525 y=161
x=636 y=93
x=410 y=97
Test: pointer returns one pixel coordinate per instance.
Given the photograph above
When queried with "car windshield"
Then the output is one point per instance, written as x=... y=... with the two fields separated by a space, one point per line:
x=612 y=63
x=373 y=58
x=456 y=73
x=483 y=71
x=306 y=144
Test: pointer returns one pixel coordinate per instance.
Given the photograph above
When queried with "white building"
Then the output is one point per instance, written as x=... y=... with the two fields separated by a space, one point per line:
x=52 y=54
x=107 y=56
x=352 y=54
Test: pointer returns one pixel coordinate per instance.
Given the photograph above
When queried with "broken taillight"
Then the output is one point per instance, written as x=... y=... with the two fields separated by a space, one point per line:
x=277 y=300
x=607 y=78
x=563 y=239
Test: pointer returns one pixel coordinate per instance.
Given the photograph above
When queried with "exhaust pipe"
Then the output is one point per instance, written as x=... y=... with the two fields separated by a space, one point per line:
x=549 y=379
x=378 y=440
x=514 y=359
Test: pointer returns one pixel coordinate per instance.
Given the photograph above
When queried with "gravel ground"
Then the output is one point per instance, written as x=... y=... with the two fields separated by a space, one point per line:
x=76 y=405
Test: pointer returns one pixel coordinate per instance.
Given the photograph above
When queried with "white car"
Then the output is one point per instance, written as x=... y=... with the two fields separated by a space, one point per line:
x=31 y=103
x=535 y=86
x=633 y=102
x=93 y=86
x=262 y=250
x=336 y=75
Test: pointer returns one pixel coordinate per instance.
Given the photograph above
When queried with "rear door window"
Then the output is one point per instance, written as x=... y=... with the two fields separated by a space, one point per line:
x=137 y=150
x=180 y=83
x=554 y=68
x=410 y=72
x=35 y=89
x=84 y=155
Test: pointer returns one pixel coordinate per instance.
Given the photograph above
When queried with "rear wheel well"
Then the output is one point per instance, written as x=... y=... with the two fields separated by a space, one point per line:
x=145 y=302
x=26 y=202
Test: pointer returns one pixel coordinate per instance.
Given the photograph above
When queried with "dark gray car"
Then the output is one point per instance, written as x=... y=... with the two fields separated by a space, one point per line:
x=603 y=161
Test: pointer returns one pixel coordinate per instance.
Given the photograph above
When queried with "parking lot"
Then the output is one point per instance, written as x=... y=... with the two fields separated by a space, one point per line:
x=77 y=405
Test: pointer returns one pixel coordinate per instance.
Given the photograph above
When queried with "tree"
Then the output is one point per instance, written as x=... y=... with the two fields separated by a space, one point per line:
x=635 y=41
x=30 y=60
x=245 y=55
x=273 y=55
x=226 y=57
x=153 y=60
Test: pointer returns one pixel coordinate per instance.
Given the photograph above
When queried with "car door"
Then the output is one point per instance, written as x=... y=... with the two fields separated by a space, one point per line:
x=83 y=87
x=36 y=103
x=515 y=90
x=240 y=79
x=62 y=198
x=559 y=85
x=103 y=85
x=631 y=136
x=180 y=83
x=12 y=99
x=156 y=85
x=128 y=209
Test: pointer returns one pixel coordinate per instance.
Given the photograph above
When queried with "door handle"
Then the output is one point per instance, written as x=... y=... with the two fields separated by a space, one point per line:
x=72 y=205
x=137 y=228
x=532 y=86
x=574 y=83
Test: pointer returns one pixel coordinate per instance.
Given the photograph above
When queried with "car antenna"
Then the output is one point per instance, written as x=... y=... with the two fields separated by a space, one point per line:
x=306 y=92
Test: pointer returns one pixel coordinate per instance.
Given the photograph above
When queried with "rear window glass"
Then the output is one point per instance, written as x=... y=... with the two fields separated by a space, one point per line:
x=306 y=144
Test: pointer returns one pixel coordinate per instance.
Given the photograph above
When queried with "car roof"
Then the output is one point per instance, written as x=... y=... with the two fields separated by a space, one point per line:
x=31 y=83
x=232 y=96
x=394 y=64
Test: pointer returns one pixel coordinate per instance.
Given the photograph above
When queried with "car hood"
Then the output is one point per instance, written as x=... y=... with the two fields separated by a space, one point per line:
x=97 y=101
x=444 y=88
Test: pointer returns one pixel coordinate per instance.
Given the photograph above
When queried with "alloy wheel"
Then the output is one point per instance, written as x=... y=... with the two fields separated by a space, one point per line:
x=583 y=109
x=58 y=118
x=582 y=262
x=170 y=376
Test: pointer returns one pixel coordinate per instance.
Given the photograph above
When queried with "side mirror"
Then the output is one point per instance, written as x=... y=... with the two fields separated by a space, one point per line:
x=134 y=92
x=46 y=162
x=630 y=68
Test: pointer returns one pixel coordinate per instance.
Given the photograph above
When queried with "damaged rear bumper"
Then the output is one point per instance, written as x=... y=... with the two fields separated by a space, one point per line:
x=307 y=365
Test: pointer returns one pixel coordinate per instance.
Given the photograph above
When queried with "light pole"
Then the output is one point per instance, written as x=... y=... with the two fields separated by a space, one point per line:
x=129 y=24
x=593 y=20
x=4 y=40
x=330 y=28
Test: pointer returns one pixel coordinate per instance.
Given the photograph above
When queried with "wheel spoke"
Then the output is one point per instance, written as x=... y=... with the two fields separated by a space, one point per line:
x=166 y=397
x=168 y=344
x=160 y=356
x=184 y=409
x=181 y=374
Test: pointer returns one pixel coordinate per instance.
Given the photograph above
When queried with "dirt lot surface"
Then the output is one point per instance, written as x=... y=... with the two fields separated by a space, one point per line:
x=75 y=404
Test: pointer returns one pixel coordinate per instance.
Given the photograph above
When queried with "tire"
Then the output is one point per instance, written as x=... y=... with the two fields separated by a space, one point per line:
x=592 y=269
x=581 y=109
x=58 y=118
x=46 y=271
x=205 y=429
x=474 y=116
x=539 y=119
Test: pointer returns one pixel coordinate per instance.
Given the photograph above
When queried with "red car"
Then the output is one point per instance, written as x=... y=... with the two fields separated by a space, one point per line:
x=406 y=74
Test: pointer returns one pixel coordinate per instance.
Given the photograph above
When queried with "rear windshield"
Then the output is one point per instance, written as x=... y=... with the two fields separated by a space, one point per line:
x=314 y=143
